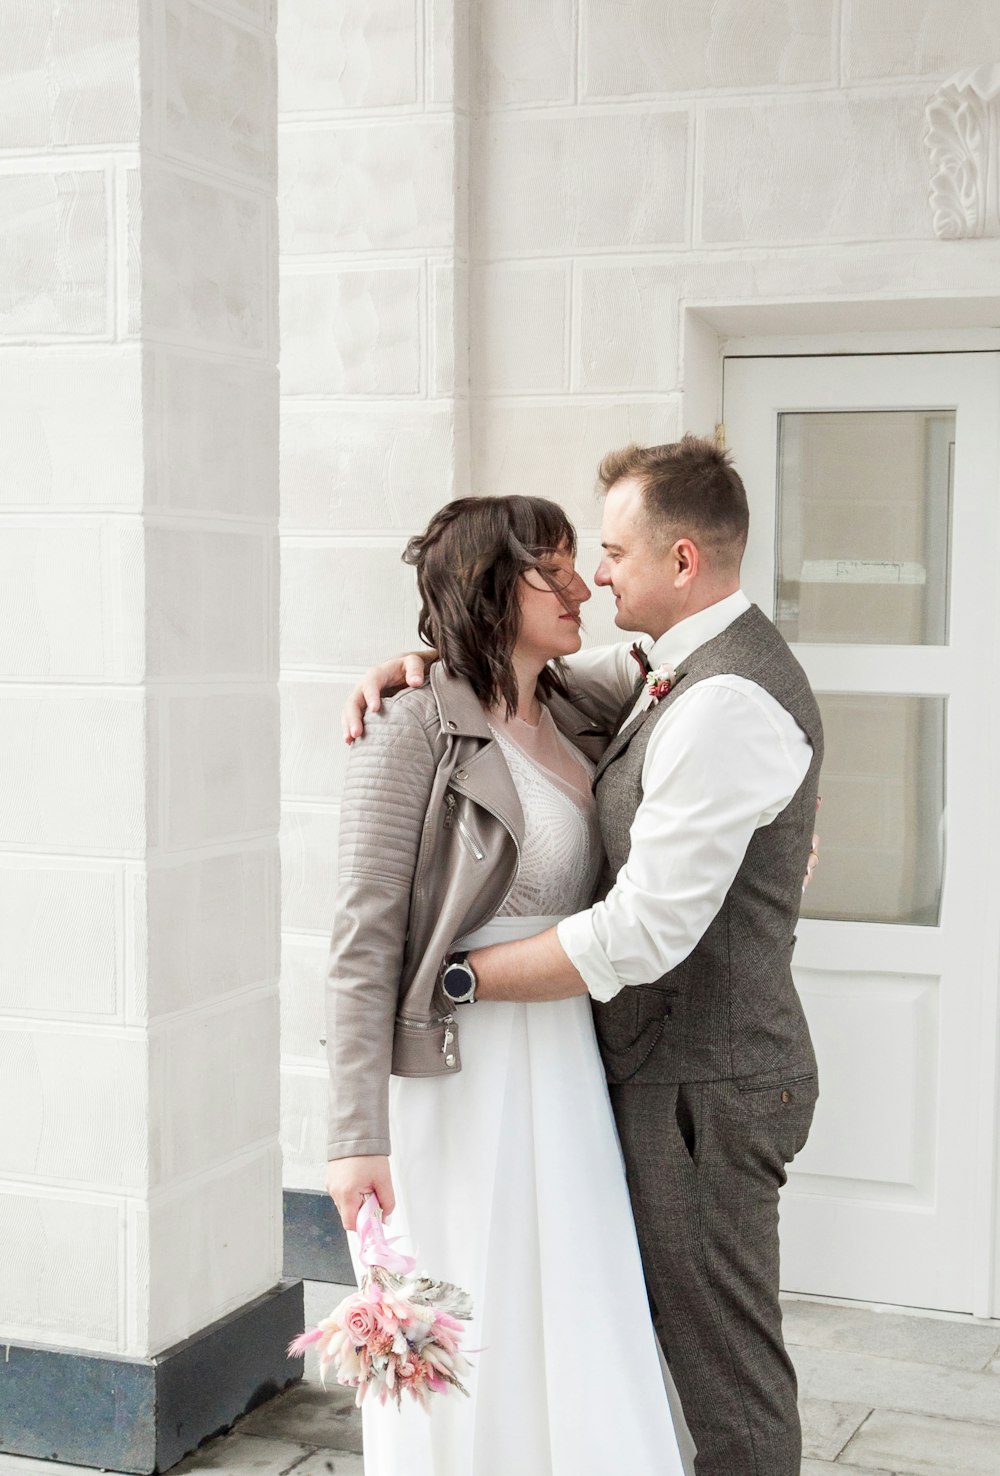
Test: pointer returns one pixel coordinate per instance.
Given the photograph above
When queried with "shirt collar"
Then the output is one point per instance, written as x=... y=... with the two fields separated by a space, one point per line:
x=676 y=644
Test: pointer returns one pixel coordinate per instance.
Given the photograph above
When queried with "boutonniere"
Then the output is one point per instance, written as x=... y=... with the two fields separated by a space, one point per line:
x=659 y=681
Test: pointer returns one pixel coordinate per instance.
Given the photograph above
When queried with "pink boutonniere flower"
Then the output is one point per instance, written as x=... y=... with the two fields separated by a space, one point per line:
x=659 y=681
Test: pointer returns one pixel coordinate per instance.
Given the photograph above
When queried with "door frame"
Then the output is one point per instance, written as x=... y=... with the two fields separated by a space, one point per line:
x=907 y=663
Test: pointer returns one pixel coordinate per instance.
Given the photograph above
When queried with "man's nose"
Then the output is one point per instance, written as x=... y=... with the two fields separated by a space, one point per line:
x=602 y=574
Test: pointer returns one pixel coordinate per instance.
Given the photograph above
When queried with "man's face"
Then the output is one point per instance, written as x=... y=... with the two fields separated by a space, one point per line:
x=640 y=575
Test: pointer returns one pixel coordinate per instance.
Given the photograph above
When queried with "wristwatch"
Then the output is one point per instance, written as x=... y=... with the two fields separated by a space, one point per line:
x=458 y=979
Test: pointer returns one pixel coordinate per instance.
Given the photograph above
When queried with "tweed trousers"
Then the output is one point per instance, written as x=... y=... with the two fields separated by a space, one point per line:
x=705 y=1163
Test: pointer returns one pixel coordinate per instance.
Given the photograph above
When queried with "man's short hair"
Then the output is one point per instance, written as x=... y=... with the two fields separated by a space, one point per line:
x=690 y=489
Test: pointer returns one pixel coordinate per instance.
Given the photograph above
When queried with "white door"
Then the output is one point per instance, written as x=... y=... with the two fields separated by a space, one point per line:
x=874 y=483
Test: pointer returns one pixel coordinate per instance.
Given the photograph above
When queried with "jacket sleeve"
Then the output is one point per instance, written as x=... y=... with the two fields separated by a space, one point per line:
x=389 y=778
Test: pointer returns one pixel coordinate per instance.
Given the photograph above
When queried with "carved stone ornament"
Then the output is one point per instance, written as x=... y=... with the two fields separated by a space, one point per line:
x=963 y=142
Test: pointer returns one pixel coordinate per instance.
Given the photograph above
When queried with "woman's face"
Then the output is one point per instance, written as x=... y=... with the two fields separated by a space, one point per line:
x=550 y=612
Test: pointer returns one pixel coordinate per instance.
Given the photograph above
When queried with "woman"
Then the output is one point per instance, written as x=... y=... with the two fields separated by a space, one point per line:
x=468 y=818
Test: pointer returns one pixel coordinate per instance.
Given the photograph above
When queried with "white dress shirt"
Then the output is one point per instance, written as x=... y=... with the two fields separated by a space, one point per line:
x=722 y=761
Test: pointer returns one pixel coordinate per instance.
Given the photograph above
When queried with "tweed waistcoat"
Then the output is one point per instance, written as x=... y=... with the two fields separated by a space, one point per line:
x=730 y=1009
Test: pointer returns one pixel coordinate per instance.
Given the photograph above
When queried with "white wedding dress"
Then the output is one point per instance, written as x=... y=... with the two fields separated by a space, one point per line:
x=509 y=1181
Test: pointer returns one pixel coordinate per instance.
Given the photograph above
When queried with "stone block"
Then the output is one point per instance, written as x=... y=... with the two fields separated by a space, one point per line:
x=215 y=449
x=73 y=1108
x=920 y=1445
x=579 y=181
x=554 y=450
x=340 y=607
x=365 y=467
x=313 y=753
x=130 y=310
x=386 y=186
x=218 y=89
x=71 y=600
x=447 y=81
x=209 y=602
x=219 y=760
x=523 y=51
x=449 y=346
x=59 y=924
x=628 y=337
x=214 y=1244
x=893 y=38
x=938 y=1340
x=71 y=74
x=207 y=261
x=519 y=337
x=72 y=429
x=54 y=253
x=360 y=54
x=849 y=166
x=212 y=927
x=59 y=1272
x=76 y=772
x=303 y=988
x=827 y=1427
x=356 y=332
x=213 y=1086
x=304 y=1115
x=660 y=47
x=308 y=868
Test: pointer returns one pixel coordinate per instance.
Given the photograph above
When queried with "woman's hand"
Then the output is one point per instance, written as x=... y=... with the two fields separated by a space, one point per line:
x=348 y=1180
x=407 y=670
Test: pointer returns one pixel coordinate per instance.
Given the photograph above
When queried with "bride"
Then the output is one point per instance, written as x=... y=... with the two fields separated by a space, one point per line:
x=485 y=1127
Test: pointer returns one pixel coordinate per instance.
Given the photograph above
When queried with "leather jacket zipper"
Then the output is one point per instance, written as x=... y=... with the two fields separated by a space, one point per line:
x=452 y=817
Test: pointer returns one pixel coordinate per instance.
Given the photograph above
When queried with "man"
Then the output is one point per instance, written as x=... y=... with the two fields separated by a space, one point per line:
x=706 y=798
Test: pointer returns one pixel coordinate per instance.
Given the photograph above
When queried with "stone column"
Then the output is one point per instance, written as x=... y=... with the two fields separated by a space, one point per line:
x=374 y=437
x=140 y=1213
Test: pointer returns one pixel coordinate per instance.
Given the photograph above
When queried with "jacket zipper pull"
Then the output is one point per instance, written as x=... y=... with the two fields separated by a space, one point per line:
x=449 y=810
x=446 y=1051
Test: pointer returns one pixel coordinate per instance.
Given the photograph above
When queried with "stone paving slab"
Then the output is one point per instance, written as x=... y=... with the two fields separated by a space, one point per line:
x=883 y=1383
x=237 y=1454
x=330 y=1463
x=915 y=1445
x=938 y=1340
x=827 y=1427
x=309 y=1415
x=840 y=1468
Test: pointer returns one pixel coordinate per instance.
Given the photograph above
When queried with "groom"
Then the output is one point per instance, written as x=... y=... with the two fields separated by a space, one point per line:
x=706 y=797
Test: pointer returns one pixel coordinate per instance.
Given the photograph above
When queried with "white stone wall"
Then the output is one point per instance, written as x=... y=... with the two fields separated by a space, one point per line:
x=627 y=160
x=139 y=1167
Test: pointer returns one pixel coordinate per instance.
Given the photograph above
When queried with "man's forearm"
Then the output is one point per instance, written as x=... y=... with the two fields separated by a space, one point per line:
x=529 y=969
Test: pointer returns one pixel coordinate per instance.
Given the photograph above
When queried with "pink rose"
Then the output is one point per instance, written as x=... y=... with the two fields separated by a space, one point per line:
x=360 y=1320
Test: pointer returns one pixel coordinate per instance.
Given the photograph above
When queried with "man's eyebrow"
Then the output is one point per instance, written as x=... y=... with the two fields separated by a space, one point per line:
x=612 y=547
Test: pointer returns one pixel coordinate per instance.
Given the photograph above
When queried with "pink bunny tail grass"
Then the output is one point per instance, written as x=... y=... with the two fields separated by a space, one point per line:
x=305 y=1340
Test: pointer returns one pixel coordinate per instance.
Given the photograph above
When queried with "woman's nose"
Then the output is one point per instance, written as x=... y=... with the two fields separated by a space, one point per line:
x=581 y=589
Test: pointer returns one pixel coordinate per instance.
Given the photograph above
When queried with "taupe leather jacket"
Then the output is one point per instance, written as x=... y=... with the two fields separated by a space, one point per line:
x=430 y=832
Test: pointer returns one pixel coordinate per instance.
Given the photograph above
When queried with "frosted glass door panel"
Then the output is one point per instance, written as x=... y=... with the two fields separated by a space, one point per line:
x=864 y=501
x=881 y=849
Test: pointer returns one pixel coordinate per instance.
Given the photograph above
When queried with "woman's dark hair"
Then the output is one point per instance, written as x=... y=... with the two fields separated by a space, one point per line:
x=468 y=561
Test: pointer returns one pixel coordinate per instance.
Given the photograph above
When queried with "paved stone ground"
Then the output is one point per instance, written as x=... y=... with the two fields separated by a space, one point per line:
x=882 y=1394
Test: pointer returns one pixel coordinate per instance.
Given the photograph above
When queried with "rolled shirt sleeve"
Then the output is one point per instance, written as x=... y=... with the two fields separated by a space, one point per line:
x=724 y=760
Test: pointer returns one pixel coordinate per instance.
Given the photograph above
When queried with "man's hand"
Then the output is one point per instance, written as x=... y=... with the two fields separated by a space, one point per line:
x=399 y=671
x=348 y=1180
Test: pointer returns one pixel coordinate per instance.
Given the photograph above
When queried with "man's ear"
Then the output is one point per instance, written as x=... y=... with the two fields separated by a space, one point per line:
x=687 y=560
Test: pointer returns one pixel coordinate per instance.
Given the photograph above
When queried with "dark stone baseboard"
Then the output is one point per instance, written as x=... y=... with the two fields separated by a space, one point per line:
x=143 y=1415
x=315 y=1243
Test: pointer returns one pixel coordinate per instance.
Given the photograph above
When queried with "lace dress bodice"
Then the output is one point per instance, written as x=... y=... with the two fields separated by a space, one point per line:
x=561 y=855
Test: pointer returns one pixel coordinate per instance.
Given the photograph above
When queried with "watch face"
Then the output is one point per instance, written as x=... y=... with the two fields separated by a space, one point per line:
x=457 y=981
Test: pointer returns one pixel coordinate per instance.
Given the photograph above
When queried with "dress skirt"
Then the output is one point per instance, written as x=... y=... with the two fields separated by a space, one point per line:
x=509 y=1181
